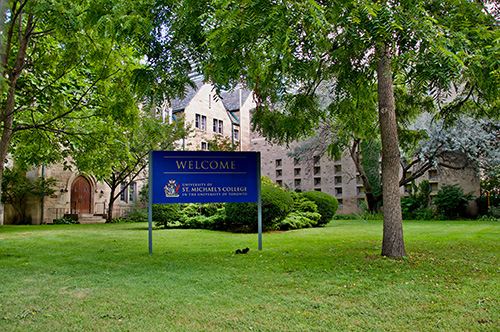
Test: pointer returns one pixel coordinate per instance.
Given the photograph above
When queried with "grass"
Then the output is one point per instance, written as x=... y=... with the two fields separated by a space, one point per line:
x=101 y=278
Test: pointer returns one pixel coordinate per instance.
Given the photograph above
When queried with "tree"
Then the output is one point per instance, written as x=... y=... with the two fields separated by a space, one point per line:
x=283 y=50
x=222 y=143
x=475 y=139
x=17 y=189
x=125 y=158
x=66 y=69
x=342 y=133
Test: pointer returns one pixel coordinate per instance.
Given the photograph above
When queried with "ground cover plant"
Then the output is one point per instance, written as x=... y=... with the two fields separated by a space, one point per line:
x=101 y=278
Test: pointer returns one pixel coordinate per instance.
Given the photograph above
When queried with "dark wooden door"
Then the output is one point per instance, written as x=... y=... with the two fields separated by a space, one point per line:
x=80 y=196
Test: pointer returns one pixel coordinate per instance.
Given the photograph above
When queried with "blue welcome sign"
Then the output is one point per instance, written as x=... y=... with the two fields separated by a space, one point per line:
x=204 y=177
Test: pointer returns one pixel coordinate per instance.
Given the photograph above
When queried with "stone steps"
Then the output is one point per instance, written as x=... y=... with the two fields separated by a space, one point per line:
x=91 y=219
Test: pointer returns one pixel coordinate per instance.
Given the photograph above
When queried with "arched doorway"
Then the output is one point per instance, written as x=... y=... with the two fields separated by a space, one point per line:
x=80 y=196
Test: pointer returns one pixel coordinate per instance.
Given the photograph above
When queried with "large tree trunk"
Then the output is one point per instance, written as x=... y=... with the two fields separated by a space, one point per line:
x=112 y=198
x=393 y=242
x=4 y=144
x=7 y=114
x=6 y=136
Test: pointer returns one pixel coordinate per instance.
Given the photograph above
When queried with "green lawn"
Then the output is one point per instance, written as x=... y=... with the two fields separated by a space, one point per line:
x=101 y=278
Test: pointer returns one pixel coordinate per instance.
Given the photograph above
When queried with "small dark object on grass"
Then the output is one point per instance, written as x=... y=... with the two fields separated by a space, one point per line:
x=243 y=251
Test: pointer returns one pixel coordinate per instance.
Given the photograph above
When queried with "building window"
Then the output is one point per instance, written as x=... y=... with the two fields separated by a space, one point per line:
x=218 y=125
x=279 y=183
x=124 y=192
x=317 y=181
x=200 y=122
x=408 y=188
x=337 y=168
x=317 y=170
x=297 y=172
x=434 y=187
x=204 y=146
x=317 y=160
x=132 y=192
x=338 y=180
x=279 y=162
x=338 y=191
x=341 y=202
x=197 y=121
x=236 y=134
x=358 y=179
x=203 y=122
x=361 y=190
x=317 y=189
x=298 y=182
x=296 y=161
x=433 y=173
x=279 y=173
x=209 y=101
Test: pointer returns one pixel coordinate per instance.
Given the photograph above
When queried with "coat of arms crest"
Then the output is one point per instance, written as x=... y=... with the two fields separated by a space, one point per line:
x=172 y=189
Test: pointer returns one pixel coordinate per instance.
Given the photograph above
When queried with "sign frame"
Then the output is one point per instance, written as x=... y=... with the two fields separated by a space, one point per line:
x=192 y=168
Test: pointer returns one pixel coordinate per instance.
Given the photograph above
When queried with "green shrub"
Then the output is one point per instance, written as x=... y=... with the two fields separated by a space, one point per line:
x=65 y=221
x=210 y=209
x=303 y=204
x=297 y=220
x=488 y=218
x=195 y=215
x=494 y=211
x=241 y=216
x=416 y=206
x=412 y=211
x=482 y=203
x=370 y=215
x=276 y=204
x=137 y=215
x=327 y=205
x=166 y=215
x=203 y=216
x=346 y=217
x=189 y=210
x=451 y=201
x=216 y=221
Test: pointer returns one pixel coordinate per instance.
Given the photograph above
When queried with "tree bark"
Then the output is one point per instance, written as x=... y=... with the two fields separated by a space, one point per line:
x=7 y=114
x=111 y=204
x=393 y=242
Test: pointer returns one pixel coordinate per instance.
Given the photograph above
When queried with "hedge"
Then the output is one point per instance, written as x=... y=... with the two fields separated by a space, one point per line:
x=327 y=205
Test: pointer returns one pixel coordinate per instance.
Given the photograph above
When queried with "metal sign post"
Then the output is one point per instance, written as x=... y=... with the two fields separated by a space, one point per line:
x=150 y=202
x=259 y=201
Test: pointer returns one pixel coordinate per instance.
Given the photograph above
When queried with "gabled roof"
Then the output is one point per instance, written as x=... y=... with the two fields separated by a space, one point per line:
x=231 y=100
x=180 y=104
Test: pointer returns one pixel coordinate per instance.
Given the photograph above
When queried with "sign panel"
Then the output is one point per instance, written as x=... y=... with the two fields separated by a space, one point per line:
x=204 y=177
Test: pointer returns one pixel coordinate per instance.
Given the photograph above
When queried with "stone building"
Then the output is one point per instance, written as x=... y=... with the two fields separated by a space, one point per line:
x=210 y=115
x=340 y=178
x=225 y=116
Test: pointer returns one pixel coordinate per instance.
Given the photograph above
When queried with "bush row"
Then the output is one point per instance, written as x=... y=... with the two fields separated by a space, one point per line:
x=281 y=210
x=449 y=203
